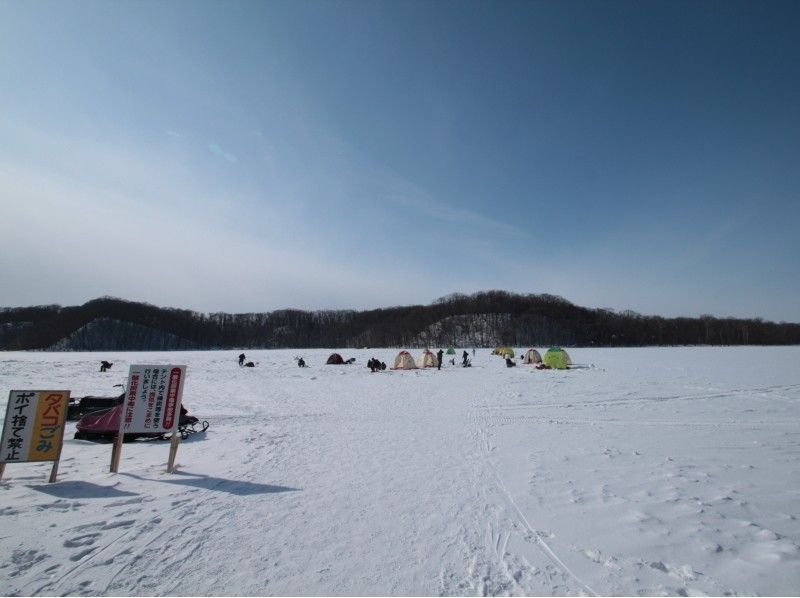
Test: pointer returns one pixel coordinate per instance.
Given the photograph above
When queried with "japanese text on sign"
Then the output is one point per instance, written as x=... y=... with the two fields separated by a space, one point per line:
x=34 y=425
x=153 y=398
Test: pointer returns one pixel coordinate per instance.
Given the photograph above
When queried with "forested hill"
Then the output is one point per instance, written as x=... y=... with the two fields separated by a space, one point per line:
x=484 y=319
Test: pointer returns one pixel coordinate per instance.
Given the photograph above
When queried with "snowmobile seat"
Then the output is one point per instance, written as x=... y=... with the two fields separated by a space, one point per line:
x=103 y=426
x=84 y=405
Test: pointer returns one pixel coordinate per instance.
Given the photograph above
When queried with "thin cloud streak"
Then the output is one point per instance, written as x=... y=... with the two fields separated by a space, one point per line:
x=426 y=205
x=221 y=153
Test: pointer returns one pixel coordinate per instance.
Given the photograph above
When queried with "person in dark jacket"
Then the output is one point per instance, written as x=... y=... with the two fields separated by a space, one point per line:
x=510 y=363
x=439 y=355
x=241 y=359
x=464 y=358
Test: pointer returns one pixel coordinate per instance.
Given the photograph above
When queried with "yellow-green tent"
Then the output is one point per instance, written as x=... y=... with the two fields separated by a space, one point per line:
x=504 y=352
x=557 y=358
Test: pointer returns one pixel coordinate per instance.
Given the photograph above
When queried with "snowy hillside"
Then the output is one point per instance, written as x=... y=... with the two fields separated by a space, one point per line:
x=468 y=330
x=120 y=336
x=646 y=472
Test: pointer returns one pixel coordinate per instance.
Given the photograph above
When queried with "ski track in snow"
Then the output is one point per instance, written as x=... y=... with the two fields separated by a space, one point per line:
x=648 y=472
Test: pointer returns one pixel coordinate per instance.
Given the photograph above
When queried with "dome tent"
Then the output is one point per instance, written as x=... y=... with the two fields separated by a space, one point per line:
x=450 y=351
x=404 y=361
x=427 y=360
x=532 y=356
x=557 y=358
x=504 y=352
x=335 y=359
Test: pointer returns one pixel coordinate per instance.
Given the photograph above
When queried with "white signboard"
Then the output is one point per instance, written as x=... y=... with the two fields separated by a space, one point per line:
x=153 y=399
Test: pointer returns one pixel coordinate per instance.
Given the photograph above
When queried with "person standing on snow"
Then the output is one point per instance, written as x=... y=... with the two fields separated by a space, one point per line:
x=439 y=356
x=465 y=358
x=241 y=359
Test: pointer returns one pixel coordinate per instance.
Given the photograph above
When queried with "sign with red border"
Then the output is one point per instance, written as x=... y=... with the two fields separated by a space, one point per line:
x=153 y=399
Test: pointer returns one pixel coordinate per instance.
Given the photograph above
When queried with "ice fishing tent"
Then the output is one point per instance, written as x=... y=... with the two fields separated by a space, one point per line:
x=427 y=360
x=532 y=356
x=335 y=359
x=450 y=351
x=404 y=361
x=504 y=352
x=557 y=358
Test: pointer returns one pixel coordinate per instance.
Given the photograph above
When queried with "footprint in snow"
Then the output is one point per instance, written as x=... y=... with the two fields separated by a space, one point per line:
x=116 y=524
x=80 y=555
x=22 y=560
x=84 y=540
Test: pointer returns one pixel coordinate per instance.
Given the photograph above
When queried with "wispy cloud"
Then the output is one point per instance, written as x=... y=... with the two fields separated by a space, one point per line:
x=221 y=153
x=427 y=205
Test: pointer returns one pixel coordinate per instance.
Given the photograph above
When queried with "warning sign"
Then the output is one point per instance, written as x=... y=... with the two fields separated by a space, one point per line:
x=153 y=399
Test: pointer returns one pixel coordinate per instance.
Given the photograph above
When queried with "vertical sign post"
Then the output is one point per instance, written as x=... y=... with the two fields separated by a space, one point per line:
x=152 y=405
x=34 y=428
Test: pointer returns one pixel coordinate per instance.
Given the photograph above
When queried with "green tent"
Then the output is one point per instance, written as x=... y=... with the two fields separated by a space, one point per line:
x=504 y=352
x=557 y=358
x=451 y=351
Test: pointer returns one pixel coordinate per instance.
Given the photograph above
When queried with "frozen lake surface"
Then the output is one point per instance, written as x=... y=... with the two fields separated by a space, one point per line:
x=663 y=471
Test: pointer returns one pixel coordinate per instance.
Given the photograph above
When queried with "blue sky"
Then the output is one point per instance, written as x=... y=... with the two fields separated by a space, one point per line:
x=257 y=155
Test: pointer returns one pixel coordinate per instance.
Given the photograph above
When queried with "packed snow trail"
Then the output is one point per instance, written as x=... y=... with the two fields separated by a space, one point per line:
x=652 y=472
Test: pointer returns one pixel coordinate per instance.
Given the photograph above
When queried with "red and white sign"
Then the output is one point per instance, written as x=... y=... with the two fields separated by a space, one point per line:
x=153 y=399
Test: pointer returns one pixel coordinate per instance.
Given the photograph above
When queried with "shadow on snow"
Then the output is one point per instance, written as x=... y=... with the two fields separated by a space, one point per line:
x=81 y=490
x=237 y=487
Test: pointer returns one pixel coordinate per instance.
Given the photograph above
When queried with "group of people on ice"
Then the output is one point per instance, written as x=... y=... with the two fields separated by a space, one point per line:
x=376 y=365
x=245 y=364
x=554 y=358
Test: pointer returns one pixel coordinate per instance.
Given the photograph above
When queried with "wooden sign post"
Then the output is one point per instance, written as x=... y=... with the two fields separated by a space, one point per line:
x=116 y=451
x=152 y=405
x=173 y=450
x=34 y=428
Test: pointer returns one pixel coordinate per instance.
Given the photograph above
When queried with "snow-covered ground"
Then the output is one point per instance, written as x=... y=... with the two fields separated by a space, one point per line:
x=648 y=472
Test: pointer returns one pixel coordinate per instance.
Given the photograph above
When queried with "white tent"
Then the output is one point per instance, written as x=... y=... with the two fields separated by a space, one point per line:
x=532 y=356
x=427 y=360
x=404 y=361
